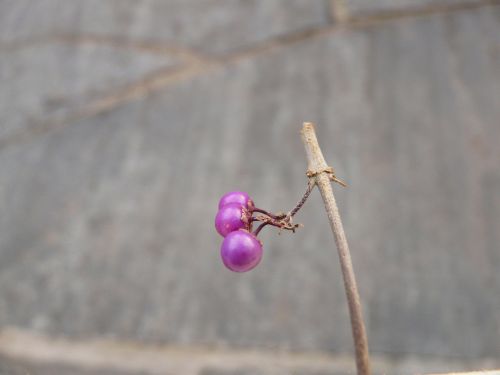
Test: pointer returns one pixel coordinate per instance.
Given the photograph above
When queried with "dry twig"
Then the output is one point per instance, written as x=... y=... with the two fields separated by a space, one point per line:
x=321 y=174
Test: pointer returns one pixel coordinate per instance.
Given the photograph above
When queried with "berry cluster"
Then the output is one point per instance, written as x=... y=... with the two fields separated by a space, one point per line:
x=241 y=250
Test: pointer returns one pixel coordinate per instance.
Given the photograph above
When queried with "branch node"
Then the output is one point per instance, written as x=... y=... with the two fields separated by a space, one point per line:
x=329 y=171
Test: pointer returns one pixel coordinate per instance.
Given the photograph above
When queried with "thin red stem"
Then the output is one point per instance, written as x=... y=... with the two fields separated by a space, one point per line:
x=273 y=216
x=302 y=201
x=259 y=228
x=282 y=221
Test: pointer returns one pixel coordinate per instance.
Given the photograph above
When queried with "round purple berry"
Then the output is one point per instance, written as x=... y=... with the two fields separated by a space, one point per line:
x=229 y=218
x=241 y=251
x=239 y=197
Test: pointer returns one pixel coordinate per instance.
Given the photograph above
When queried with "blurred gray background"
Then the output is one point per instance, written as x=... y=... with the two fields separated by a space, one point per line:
x=122 y=122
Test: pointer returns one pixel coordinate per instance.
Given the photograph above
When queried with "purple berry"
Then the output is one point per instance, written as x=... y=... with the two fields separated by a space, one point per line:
x=241 y=251
x=240 y=197
x=229 y=218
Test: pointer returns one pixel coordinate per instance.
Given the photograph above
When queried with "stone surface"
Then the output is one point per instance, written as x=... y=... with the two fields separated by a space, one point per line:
x=25 y=352
x=51 y=62
x=213 y=26
x=43 y=81
x=365 y=7
x=9 y=366
x=107 y=225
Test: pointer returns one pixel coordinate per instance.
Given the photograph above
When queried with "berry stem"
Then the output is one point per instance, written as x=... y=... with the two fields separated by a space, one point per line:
x=282 y=221
x=273 y=216
x=318 y=171
x=259 y=228
x=299 y=205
